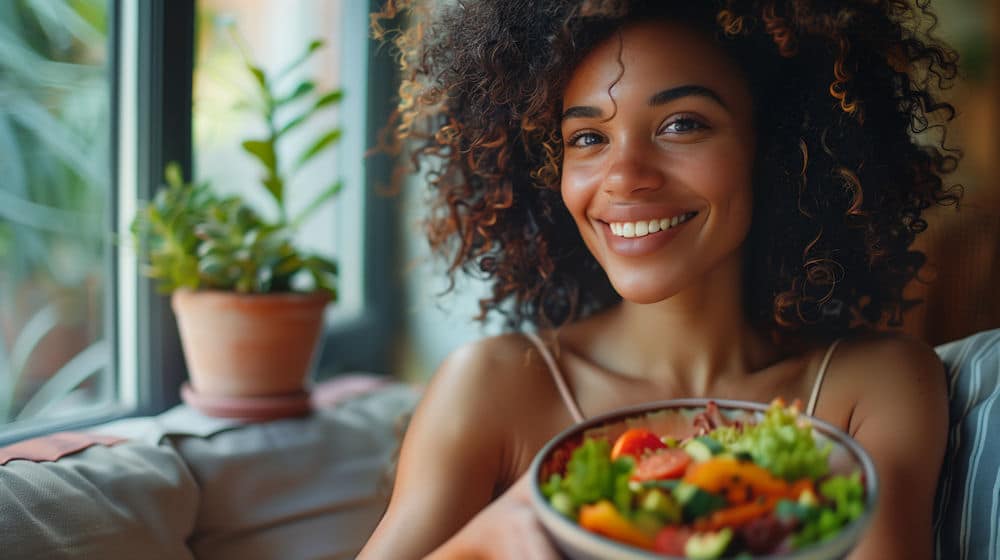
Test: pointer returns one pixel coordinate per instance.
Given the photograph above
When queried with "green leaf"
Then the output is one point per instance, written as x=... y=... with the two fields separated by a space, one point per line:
x=259 y=75
x=332 y=97
x=302 y=89
x=276 y=187
x=319 y=145
x=327 y=194
x=294 y=123
x=173 y=174
x=288 y=266
x=313 y=46
x=327 y=99
x=214 y=270
x=323 y=282
x=263 y=150
x=321 y=264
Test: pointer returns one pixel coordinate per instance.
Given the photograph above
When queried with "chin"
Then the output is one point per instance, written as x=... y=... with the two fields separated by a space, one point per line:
x=644 y=292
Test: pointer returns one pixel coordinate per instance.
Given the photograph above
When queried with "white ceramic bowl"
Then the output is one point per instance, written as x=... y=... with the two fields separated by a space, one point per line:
x=579 y=544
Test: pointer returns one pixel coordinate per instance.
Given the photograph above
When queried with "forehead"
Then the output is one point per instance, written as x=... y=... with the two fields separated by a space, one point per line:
x=644 y=58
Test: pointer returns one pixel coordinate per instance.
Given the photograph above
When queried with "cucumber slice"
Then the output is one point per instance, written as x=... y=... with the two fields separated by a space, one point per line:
x=705 y=546
x=696 y=502
x=702 y=448
x=667 y=484
x=661 y=504
x=563 y=503
x=713 y=445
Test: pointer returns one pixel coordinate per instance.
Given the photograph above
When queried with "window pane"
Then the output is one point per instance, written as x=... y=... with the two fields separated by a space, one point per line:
x=273 y=34
x=55 y=98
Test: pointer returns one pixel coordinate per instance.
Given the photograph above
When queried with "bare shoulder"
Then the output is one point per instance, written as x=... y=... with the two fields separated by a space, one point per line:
x=895 y=389
x=461 y=431
x=486 y=354
x=890 y=371
x=489 y=370
x=892 y=351
x=488 y=393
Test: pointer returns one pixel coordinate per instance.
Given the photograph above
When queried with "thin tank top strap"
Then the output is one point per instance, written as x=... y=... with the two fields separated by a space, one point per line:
x=557 y=376
x=814 y=397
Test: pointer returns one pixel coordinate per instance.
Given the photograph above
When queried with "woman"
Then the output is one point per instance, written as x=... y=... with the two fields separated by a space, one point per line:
x=686 y=199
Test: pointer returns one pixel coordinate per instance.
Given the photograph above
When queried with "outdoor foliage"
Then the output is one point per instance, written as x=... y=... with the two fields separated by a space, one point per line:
x=54 y=188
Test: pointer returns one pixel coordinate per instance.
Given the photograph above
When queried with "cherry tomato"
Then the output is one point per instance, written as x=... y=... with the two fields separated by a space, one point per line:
x=661 y=465
x=671 y=540
x=634 y=442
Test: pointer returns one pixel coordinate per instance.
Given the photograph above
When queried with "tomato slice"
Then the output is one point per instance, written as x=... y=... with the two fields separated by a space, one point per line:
x=634 y=442
x=661 y=465
x=671 y=540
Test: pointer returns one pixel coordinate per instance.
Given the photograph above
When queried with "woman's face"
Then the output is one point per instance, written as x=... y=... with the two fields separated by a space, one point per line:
x=657 y=169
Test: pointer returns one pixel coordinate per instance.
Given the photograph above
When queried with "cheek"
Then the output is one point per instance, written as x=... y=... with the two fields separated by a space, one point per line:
x=728 y=181
x=577 y=191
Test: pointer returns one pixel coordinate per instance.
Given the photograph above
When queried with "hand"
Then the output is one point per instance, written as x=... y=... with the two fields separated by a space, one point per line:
x=506 y=530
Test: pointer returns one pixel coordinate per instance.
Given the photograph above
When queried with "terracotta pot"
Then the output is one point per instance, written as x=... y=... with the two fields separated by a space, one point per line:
x=248 y=345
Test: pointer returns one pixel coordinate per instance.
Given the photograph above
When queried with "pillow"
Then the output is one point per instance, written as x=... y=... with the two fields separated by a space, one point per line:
x=131 y=500
x=183 y=485
x=967 y=506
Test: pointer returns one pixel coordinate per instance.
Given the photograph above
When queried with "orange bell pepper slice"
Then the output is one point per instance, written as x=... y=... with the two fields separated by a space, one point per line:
x=739 y=481
x=735 y=516
x=603 y=518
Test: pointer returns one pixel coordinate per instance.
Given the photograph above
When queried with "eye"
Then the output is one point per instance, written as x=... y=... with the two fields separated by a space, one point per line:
x=584 y=139
x=683 y=125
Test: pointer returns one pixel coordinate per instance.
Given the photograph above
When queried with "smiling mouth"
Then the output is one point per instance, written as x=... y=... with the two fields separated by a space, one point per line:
x=643 y=228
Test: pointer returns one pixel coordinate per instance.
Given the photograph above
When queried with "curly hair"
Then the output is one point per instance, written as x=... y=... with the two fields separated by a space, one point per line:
x=840 y=92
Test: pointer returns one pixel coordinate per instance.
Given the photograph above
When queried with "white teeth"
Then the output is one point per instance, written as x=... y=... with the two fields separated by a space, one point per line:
x=643 y=228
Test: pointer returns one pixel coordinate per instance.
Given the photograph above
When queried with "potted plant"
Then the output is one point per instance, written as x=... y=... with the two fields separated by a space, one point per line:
x=249 y=304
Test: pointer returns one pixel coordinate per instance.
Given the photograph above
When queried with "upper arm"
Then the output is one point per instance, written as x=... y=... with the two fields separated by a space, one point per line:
x=449 y=462
x=901 y=419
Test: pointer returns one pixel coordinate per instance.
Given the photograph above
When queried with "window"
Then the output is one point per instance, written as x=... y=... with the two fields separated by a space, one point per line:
x=55 y=201
x=95 y=99
x=82 y=99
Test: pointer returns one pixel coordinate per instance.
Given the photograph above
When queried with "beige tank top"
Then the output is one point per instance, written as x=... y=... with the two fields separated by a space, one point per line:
x=577 y=414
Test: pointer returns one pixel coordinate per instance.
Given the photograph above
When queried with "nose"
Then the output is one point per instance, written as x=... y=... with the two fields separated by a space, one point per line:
x=631 y=172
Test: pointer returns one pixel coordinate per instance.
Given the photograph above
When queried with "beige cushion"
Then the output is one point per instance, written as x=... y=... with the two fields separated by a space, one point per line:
x=188 y=486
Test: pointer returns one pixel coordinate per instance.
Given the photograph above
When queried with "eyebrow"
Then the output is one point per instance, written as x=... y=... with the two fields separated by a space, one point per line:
x=660 y=98
x=668 y=95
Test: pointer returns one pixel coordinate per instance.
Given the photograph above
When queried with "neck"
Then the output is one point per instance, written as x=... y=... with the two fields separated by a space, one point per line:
x=691 y=340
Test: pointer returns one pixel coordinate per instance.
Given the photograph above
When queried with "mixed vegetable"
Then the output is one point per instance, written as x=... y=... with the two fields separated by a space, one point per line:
x=731 y=489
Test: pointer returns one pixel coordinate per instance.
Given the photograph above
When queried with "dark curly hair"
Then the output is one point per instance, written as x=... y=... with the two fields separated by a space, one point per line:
x=840 y=91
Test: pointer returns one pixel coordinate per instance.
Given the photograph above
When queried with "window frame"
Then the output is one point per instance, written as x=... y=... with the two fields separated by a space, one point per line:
x=163 y=134
x=361 y=341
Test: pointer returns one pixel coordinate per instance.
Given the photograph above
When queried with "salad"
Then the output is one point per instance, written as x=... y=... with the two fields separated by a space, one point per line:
x=725 y=487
